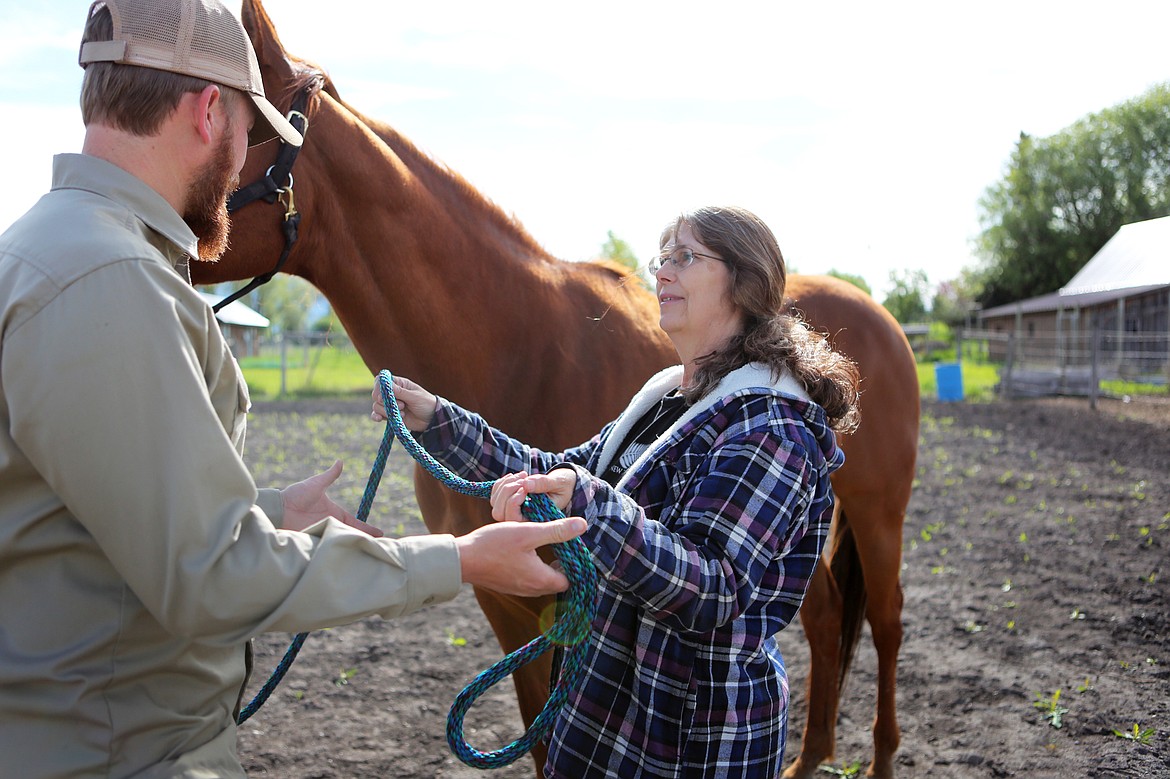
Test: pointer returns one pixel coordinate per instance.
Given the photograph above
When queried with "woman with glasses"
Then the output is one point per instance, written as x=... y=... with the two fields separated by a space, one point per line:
x=708 y=502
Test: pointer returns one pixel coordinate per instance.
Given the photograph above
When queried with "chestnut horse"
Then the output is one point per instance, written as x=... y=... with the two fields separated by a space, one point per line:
x=433 y=281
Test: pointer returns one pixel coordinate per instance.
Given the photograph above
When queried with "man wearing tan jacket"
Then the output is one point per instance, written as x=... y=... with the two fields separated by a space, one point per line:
x=137 y=556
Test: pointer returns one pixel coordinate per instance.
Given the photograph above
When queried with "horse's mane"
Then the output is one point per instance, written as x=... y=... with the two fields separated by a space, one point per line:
x=440 y=174
x=307 y=75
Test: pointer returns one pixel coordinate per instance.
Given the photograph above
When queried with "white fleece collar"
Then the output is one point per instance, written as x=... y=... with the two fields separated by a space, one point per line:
x=750 y=376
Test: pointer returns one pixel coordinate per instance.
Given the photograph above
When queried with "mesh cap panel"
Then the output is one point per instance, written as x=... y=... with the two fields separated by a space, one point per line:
x=198 y=38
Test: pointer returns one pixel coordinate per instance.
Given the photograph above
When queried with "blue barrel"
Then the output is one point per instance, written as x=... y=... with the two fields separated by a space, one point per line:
x=949 y=378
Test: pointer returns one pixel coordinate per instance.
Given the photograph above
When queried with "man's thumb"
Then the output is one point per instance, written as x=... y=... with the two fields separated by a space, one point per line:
x=566 y=529
x=334 y=471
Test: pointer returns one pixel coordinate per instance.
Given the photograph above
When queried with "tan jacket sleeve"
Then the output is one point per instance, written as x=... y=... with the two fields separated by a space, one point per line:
x=118 y=412
x=269 y=500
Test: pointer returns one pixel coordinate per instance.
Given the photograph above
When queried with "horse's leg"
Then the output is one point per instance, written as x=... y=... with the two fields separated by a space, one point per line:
x=515 y=622
x=878 y=530
x=820 y=616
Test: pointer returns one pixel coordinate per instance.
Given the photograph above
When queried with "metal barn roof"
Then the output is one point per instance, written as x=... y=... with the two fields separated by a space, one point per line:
x=1137 y=256
x=236 y=313
x=1055 y=301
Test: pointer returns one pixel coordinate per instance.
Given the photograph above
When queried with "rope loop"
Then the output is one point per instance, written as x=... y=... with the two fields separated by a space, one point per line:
x=575 y=609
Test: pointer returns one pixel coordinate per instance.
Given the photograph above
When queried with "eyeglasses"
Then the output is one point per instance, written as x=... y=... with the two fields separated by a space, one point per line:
x=682 y=257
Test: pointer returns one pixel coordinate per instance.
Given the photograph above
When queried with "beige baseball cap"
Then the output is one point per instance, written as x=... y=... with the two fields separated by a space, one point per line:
x=199 y=38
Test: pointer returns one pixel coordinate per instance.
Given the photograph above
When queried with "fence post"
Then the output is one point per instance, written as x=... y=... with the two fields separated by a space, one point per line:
x=1006 y=380
x=283 y=363
x=1094 y=370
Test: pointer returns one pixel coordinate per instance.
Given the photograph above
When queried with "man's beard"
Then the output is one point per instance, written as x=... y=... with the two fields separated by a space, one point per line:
x=206 y=213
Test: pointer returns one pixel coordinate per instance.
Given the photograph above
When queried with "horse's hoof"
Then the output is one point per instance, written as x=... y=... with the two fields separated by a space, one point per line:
x=800 y=769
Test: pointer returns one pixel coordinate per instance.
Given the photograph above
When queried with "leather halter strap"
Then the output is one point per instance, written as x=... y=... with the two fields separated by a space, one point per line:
x=269 y=188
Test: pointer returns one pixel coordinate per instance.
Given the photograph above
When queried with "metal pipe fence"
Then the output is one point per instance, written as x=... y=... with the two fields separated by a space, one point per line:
x=1080 y=364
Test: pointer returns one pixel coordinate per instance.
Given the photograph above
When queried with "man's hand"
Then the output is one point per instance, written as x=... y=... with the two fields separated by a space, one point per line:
x=305 y=503
x=502 y=557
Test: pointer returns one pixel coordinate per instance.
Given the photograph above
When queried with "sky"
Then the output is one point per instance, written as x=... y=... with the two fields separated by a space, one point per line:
x=863 y=133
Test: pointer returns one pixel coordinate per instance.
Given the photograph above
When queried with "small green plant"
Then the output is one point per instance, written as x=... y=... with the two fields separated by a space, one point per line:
x=455 y=640
x=1085 y=686
x=344 y=677
x=1137 y=734
x=927 y=533
x=853 y=769
x=1053 y=711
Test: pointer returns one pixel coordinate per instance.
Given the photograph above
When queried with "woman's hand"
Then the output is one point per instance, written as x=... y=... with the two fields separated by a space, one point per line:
x=509 y=492
x=414 y=401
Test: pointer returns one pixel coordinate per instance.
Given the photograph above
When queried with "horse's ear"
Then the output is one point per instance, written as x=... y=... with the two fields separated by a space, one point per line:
x=269 y=50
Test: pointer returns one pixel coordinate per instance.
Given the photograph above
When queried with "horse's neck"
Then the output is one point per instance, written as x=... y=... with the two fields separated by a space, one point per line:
x=435 y=283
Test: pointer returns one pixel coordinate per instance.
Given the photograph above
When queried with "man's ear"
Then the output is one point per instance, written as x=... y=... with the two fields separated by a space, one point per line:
x=206 y=112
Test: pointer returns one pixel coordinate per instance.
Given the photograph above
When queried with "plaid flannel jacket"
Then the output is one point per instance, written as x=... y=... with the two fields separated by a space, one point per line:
x=705 y=550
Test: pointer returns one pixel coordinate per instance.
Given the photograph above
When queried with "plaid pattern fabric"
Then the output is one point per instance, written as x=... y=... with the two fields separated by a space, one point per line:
x=702 y=562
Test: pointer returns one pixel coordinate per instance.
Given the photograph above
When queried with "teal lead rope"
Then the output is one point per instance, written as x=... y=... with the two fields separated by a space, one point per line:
x=574 y=612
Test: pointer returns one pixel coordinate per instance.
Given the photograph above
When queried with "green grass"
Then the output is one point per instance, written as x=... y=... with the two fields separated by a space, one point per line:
x=338 y=372
x=313 y=373
x=1120 y=387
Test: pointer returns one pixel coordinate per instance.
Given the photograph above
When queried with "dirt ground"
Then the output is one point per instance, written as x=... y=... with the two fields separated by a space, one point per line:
x=1037 y=593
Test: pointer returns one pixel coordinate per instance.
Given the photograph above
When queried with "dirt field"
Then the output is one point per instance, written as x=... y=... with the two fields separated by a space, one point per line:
x=1035 y=572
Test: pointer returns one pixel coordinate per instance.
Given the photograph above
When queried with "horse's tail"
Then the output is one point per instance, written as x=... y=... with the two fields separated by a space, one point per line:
x=846 y=570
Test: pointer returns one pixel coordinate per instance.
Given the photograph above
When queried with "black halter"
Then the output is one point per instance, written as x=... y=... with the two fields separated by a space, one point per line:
x=269 y=188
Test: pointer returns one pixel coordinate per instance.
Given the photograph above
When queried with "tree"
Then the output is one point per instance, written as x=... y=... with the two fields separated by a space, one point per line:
x=856 y=281
x=954 y=300
x=328 y=323
x=905 y=300
x=1064 y=196
x=286 y=301
x=619 y=251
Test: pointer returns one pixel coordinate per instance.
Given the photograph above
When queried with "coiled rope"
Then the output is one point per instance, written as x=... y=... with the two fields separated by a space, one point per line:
x=574 y=610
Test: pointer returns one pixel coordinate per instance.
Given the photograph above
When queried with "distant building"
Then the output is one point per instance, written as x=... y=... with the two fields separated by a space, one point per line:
x=1111 y=320
x=1124 y=288
x=241 y=326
